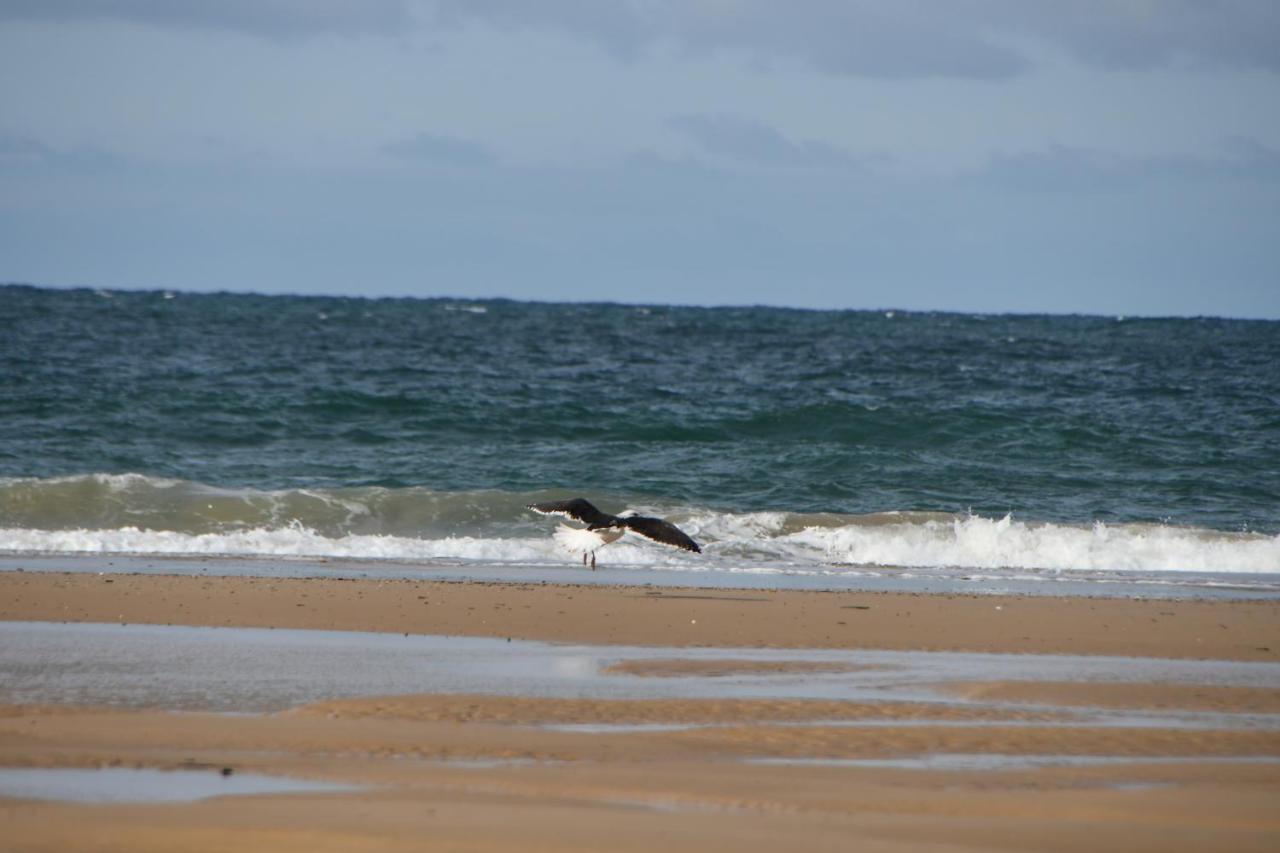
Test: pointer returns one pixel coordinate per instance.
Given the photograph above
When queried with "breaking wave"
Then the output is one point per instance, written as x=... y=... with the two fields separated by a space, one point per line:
x=136 y=514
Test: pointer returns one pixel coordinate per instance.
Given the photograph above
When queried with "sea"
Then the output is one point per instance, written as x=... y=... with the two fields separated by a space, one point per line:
x=816 y=449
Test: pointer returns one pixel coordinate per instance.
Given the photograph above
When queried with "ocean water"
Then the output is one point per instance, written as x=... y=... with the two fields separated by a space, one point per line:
x=785 y=441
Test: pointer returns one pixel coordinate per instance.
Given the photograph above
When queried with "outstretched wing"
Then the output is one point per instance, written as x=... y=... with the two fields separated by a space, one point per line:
x=579 y=509
x=660 y=531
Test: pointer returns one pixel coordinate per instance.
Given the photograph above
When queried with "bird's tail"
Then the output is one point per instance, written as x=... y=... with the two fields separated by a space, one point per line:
x=577 y=540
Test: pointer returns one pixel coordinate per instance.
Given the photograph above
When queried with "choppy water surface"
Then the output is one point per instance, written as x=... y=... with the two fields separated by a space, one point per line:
x=800 y=440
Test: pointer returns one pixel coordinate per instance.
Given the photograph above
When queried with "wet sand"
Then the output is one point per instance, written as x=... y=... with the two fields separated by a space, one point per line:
x=479 y=784
x=1243 y=630
x=477 y=771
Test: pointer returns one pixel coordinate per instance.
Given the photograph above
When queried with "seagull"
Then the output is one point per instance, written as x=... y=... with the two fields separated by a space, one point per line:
x=603 y=528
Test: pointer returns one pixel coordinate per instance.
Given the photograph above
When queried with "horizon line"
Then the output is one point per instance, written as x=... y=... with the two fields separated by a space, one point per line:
x=888 y=309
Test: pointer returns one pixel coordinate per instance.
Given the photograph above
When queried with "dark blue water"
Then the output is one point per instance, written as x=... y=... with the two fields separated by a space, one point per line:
x=398 y=404
x=1055 y=418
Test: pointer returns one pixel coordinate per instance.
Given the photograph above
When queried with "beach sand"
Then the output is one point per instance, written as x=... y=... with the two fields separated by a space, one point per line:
x=1022 y=765
x=1246 y=630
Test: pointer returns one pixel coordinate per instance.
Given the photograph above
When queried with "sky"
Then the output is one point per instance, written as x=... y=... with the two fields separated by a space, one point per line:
x=1095 y=156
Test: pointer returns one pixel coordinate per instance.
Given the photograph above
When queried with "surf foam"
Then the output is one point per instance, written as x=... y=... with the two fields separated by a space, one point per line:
x=736 y=542
x=984 y=543
x=139 y=514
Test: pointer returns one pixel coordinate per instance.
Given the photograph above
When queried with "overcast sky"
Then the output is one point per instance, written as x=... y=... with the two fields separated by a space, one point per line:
x=1100 y=156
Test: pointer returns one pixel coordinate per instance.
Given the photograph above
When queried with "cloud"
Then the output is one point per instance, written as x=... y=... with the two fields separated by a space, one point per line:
x=908 y=38
x=1063 y=168
x=854 y=37
x=1147 y=34
x=270 y=18
x=976 y=39
x=440 y=150
x=23 y=153
x=749 y=141
x=654 y=230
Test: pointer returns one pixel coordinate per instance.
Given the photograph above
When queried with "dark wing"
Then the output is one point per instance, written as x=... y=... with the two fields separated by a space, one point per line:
x=579 y=509
x=660 y=531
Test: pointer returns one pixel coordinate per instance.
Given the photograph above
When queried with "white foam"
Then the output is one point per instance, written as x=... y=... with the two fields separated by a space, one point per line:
x=758 y=543
x=289 y=542
x=984 y=543
x=297 y=541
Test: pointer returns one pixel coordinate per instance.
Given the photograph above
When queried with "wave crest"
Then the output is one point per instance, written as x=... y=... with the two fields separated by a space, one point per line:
x=134 y=514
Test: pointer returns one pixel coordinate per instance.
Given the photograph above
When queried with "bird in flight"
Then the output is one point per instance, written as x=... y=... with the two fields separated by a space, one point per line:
x=603 y=528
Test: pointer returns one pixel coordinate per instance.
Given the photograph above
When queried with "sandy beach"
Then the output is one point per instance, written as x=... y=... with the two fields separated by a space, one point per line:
x=726 y=745
x=1246 y=630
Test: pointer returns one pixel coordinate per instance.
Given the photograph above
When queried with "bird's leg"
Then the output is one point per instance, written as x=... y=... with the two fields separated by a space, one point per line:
x=593 y=561
x=584 y=558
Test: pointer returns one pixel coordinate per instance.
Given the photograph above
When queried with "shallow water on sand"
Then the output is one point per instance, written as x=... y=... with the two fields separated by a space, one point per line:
x=141 y=785
x=259 y=670
x=997 y=762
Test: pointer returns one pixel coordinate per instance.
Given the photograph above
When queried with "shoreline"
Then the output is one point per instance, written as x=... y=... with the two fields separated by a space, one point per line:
x=1171 y=585
x=669 y=616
